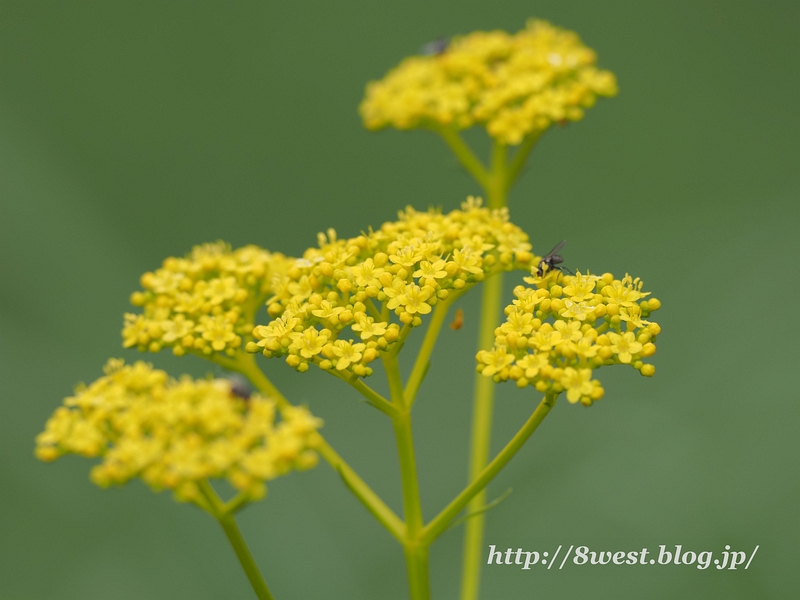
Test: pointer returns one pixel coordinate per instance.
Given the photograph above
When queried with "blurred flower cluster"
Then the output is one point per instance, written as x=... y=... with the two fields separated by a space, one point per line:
x=514 y=85
x=355 y=286
x=203 y=303
x=565 y=326
x=175 y=434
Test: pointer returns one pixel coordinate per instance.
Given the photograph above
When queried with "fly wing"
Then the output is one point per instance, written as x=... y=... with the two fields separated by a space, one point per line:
x=556 y=249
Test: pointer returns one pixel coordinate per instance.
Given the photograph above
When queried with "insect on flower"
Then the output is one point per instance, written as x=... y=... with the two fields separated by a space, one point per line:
x=240 y=387
x=551 y=260
x=435 y=48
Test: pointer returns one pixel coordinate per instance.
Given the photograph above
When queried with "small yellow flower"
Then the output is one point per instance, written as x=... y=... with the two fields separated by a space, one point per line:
x=532 y=364
x=163 y=281
x=519 y=322
x=624 y=346
x=495 y=360
x=135 y=331
x=369 y=328
x=348 y=353
x=328 y=312
x=414 y=300
x=221 y=289
x=633 y=316
x=309 y=342
x=428 y=270
x=395 y=293
x=466 y=260
x=623 y=293
x=271 y=337
x=527 y=298
x=569 y=330
x=545 y=339
x=302 y=288
x=176 y=328
x=577 y=310
x=407 y=256
x=218 y=331
x=586 y=349
x=580 y=287
x=367 y=273
x=577 y=383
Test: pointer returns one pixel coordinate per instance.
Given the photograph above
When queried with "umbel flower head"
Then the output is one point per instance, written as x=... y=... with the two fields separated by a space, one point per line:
x=175 y=434
x=565 y=326
x=344 y=302
x=514 y=85
x=204 y=302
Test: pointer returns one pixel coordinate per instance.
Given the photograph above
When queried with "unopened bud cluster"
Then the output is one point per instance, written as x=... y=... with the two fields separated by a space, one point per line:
x=565 y=326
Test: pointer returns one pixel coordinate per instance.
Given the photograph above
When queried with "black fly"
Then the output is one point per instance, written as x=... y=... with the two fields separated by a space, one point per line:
x=435 y=48
x=551 y=260
x=240 y=387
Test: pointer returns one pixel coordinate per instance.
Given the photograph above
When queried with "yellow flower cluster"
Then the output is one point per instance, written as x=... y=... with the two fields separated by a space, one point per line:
x=203 y=303
x=174 y=434
x=559 y=330
x=514 y=85
x=403 y=269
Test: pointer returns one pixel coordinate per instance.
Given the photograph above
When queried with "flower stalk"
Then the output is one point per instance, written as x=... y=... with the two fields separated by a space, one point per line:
x=245 y=364
x=217 y=508
x=496 y=184
x=439 y=524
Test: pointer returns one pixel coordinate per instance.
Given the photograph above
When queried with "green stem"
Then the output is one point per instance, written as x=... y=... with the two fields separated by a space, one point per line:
x=373 y=310
x=373 y=397
x=465 y=155
x=231 y=529
x=418 y=571
x=416 y=554
x=237 y=503
x=480 y=441
x=401 y=339
x=438 y=525
x=496 y=185
x=431 y=335
x=521 y=156
x=392 y=367
x=246 y=365
x=234 y=534
x=497 y=182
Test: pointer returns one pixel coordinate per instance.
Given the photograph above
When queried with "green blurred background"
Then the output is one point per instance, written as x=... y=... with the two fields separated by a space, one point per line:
x=130 y=131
